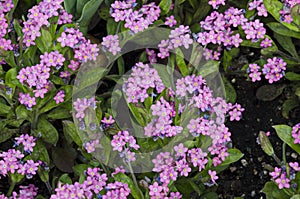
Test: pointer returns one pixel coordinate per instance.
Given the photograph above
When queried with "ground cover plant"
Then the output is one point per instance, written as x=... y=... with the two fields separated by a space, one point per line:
x=139 y=99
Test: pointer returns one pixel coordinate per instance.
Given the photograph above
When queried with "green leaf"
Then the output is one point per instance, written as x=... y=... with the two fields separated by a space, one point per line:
x=79 y=169
x=134 y=191
x=10 y=59
x=79 y=6
x=274 y=7
x=295 y=196
x=234 y=155
x=273 y=192
x=59 y=113
x=181 y=62
x=40 y=152
x=70 y=6
x=18 y=28
x=70 y=131
x=65 y=179
x=11 y=78
x=121 y=65
x=164 y=75
x=201 y=11
x=266 y=144
x=89 y=9
x=48 y=131
x=210 y=195
x=44 y=42
x=282 y=30
x=52 y=104
x=4 y=109
x=269 y=92
x=230 y=92
x=295 y=12
x=111 y=26
x=289 y=105
x=140 y=114
x=165 y=6
x=64 y=157
x=249 y=43
x=23 y=113
x=287 y=44
x=284 y=132
x=6 y=134
x=211 y=67
x=292 y=76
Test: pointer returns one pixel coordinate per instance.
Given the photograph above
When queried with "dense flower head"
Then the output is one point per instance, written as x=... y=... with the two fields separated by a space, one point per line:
x=216 y=3
x=94 y=183
x=27 y=141
x=111 y=43
x=123 y=142
x=273 y=70
x=83 y=48
x=27 y=100
x=135 y=19
x=178 y=37
x=81 y=105
x=59 y=97
x=259 y=6
x=12 y=162
x=141 y=79
x=296 y=133
x=25 y=192
x=285 y=12
x=38 y=16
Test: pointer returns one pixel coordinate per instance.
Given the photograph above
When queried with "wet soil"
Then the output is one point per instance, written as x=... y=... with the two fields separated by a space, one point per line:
x=247 y=177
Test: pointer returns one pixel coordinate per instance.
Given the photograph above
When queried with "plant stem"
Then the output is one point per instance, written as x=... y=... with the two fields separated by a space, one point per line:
x=35 y=120
x=11 y=188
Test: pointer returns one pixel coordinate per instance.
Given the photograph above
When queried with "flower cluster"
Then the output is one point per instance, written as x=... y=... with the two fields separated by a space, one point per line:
x=111 y=43
x=178 y=37
x=151 y=56
x=135 y=20
x=83 y=49
x=259 y=6
x=296 y=133
x=273 y=70
x=91 y=187
x=218 y=28
x=170 y=168
x=12 y=160
x=281 y=178
x=285 y=13
x=216 y=3
x=59 y=97
x=90 y=146
x=107 y=122
x=141 y=79
x=123 y=142
x=5 y=6
x=25 y=192
x=161 y=125
x=81 y=105
x=39 y=15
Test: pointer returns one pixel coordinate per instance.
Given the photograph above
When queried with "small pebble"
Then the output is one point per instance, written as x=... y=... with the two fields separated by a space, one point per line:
x=288 y=153
x=232 y=169
x=258 y=120
x=260 y=159
x=294 y=155
x=233 y=80
x=265 y=172
x=255 y=172
x=244 y=162
x=253 y=193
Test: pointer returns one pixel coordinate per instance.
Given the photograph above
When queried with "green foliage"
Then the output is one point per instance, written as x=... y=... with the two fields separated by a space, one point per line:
x=284 y=133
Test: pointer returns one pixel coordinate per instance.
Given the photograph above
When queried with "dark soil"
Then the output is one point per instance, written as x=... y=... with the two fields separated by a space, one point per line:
x=247 y=177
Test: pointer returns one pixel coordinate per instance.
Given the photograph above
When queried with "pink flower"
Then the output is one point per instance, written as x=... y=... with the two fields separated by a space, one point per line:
x=213 y=175
x=283 y=181
x=170 y=21
x=59 y=97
